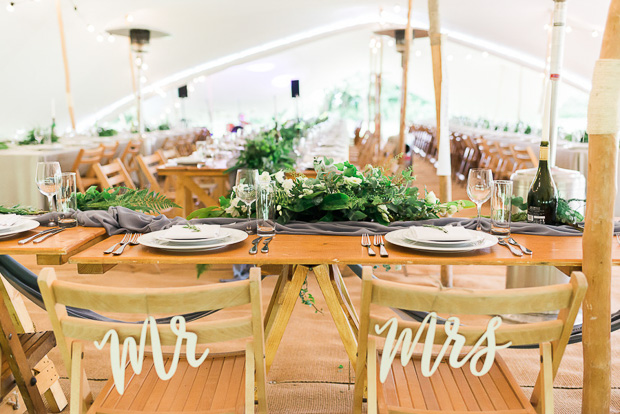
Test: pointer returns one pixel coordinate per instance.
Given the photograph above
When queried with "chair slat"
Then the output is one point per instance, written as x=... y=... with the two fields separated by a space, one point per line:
x=525 y=334
x=207 y=332
x=491 y=302
x=153 y=301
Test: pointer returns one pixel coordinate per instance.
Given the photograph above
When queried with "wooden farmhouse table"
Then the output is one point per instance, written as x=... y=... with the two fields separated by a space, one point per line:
x=297 y=255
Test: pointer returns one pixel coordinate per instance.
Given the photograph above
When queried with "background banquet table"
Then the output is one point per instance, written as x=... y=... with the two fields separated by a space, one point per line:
x=18 y=163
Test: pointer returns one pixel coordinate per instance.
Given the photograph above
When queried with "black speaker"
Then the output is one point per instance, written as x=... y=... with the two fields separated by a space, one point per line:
x=183 y=91
x=294 y=88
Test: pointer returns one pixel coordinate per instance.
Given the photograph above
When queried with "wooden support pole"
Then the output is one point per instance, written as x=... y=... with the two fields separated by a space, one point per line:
x=444 y=170
x=65 y=60
x=403 y=99
x=603 y=128
x=378 y=85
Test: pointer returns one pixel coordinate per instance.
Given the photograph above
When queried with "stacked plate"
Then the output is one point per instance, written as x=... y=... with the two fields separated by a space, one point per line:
x=190 y=239
x=11 y=224
x=449 y=239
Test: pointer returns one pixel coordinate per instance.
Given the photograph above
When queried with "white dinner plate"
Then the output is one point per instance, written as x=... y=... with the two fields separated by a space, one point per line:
x=477 y=236
x=24 y=225
x=399 y=238
x=224 y=234
x=153 y=240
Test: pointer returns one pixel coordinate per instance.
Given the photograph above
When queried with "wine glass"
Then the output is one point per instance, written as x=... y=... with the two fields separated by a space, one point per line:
x=38 y=135
x=479 y=182
x=245 y=188
x=48 y=180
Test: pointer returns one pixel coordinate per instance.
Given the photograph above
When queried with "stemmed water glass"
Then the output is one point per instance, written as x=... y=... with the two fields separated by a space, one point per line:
x=245 y=188
x=48 y=177
x=479 y=183
x=38 y=135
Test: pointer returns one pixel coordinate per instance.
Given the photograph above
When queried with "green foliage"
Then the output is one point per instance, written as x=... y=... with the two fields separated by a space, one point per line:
x=165 y=126
x=341 y=192
x=139 y=200
x=20 y=210
x=30 y=139
x=201 y=268
x=106 y=132
x=273 y=150
x=3 y=145
x=307 y=298
x=565 y=213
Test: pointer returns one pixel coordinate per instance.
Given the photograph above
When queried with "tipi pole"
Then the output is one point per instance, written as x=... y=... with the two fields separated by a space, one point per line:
x=603 y=126
x=65 y=60
x=550 y=127
x=444 y=170
x=403 y=99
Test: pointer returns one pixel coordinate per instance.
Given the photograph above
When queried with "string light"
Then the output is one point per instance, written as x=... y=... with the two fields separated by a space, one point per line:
x=111 y=38
x=129 y=18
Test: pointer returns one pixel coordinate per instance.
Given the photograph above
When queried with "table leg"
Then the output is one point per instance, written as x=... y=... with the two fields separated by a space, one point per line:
x=181 y=197
x=193 y=188
x=277 y=297
x=343 y=297
x=287 y=298
x=346 y=331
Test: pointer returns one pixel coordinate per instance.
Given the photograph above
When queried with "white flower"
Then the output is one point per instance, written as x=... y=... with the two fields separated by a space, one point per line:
x=307 y=191
x=279 y=176
x=452 y=209
x=352 y=180
x=431 y=198
x=279 y=208
x=288 y=185
x=232 y=209
x=264 y=178
x=382 y=207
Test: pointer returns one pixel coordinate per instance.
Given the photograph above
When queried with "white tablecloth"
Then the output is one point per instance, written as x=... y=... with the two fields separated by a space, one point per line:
x=18 y=164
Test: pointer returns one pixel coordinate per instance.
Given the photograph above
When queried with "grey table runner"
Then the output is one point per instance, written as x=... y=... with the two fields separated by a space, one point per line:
x=122 y=220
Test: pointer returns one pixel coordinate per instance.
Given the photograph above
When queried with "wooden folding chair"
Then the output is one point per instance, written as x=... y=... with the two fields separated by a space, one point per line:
x=109 y=151
x=27 y=374
x=224 y=383
x=113 y=175
x=84 y=161
x=168 y=154
x=128 y=158
x=525 y=156
x=450 y=389
x=148 y=167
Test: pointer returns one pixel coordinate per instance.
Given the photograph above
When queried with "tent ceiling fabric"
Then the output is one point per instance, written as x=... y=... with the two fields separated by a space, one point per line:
x=205 y=30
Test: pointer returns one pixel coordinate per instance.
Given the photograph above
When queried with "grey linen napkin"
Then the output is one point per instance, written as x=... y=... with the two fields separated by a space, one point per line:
x=123 y=220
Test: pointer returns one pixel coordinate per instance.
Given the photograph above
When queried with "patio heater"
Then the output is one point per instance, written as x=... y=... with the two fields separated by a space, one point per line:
x=140 y=40
x=570 y=183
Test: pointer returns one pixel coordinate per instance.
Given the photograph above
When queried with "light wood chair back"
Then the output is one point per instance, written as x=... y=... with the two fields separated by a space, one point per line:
x=109 y=151
x=71 y=332
x=128 y=158
x=552 y=336
x=168 y=154
x=113 y=175
x=525 y=156
x=148 y=167
x=84 y=161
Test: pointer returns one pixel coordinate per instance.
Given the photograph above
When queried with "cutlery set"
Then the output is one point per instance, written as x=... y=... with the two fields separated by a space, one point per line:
x=41 y=236
x=377 y=241
x=128 y=239
x=509 y=242
x=256 y=242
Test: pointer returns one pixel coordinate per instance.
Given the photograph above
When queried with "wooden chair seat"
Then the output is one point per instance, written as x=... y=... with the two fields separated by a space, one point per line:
x=36 y=345
x=450 y=390
x=216 y=386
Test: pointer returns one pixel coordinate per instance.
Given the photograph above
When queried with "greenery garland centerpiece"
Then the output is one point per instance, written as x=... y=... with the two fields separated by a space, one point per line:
x=274 y=149
x=30 y=139
x=138 y=200
x=342 y=192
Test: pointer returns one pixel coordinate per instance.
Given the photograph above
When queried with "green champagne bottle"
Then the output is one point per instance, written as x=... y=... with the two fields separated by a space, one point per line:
x=542 y=197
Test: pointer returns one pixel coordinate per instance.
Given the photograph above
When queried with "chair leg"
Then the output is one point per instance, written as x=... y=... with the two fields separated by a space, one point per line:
x=372 y=377
x=77 y=402
x=249 y=378
x=546 y=371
